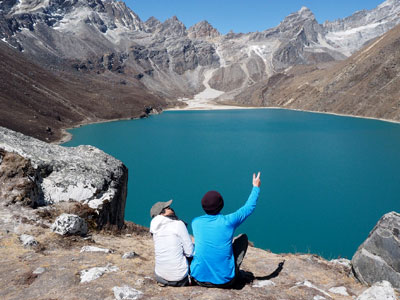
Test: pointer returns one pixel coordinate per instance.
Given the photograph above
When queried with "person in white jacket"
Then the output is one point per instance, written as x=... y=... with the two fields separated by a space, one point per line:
x=172 y=245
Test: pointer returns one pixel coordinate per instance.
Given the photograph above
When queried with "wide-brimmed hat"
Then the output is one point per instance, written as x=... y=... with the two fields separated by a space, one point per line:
x=212 y=202
x=157 y=208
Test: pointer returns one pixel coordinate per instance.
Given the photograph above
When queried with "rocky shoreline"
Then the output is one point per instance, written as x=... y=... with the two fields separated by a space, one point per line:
x=63 y=236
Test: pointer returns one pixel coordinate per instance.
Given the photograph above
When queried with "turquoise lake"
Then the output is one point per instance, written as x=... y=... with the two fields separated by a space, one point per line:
x=326 y=179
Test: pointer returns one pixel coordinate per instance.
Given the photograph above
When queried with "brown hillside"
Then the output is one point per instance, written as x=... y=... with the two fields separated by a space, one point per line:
x=39 y=103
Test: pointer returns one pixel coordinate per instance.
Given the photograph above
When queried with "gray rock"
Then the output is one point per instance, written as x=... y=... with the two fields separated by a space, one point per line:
x=310 y=285
x=340 y=290
x=126 y=293
x=378 y=258
x=94 y=273
x=83 y=174
x=95 y=249
x=342 y=261
x=67 y=224
x=39 y=270
x=28 y=240
x=139 y=282
x=264 y=283
x=129 y=255
x=379 y=291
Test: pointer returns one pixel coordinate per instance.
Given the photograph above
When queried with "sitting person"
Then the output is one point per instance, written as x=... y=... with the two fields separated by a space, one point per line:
x=217 y=258
x=172 y=245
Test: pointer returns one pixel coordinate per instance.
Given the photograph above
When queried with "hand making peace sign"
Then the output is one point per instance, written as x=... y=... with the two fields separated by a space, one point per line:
x=256 y=180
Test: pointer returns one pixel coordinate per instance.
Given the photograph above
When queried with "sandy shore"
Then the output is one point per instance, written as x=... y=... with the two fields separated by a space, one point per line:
x=216 y=106
x=67 y=136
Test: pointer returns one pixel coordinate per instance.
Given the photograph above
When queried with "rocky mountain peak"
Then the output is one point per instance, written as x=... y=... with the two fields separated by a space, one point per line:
x=298 y=19
x=152 y=24
x=173 y=27
x=203 y=30
x=302 y=14
x=65 y=15
x=301 y=25
x=305 y=11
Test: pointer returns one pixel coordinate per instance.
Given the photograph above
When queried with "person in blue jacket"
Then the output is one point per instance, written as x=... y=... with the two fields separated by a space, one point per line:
x=217 y=255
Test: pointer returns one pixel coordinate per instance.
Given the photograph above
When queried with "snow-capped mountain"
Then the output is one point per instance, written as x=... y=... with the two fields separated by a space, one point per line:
x=350 y=34
x=106 y=37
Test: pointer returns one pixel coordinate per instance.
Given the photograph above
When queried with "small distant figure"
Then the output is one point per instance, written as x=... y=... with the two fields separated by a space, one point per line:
x=172 y=245
x=218 y=256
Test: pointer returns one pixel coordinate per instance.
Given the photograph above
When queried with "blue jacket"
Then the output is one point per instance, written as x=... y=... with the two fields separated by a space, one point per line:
x=213 y=259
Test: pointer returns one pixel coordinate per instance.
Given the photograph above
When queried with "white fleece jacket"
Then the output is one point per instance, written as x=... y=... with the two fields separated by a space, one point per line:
x=172 y=244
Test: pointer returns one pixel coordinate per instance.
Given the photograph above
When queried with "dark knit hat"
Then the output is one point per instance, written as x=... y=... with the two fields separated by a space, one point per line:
x=212 y=202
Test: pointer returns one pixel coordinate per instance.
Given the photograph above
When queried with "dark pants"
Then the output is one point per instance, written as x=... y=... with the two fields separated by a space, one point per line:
x=239 y=247
x=181 y=282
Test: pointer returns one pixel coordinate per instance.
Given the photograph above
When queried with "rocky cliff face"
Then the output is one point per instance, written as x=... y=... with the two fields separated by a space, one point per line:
x=42 y=174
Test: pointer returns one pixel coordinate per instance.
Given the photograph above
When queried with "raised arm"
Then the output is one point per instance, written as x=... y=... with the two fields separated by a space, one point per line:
x=238 y=217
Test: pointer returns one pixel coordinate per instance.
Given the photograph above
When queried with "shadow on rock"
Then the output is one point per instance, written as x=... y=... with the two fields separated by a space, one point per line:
x=248 y=277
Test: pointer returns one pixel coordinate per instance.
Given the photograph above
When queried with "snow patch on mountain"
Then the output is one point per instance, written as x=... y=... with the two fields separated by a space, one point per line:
x=350 y=40
x=27 y=6
x=5 y=41
x=71 y=21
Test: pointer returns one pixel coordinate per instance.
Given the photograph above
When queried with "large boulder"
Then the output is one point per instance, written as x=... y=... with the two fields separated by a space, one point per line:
x=82 y=174
x=378 y=258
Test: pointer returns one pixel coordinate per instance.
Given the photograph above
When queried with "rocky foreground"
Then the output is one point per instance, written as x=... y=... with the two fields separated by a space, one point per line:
x=102 y=265
x=79 y=247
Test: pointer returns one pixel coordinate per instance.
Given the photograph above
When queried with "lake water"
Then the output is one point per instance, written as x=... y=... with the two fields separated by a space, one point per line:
x=326 y=180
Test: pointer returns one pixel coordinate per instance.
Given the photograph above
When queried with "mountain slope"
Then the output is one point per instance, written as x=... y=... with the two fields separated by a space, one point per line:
x=40 y=103
x=366 y=84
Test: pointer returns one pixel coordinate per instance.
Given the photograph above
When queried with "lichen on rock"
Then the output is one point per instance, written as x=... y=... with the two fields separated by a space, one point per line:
x=68 y=224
